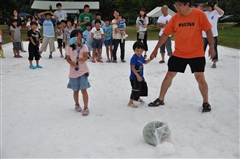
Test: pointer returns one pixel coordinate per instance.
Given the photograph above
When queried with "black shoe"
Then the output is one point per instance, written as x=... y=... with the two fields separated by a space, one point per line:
x=156 y=103
x=50 y=56
x=123 y=61
x=206 y=107
x=162 y=61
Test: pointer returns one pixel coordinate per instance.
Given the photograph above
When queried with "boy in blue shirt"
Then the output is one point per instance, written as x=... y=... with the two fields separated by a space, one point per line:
x=48 y=32
x=136 y=76
x=107 y=29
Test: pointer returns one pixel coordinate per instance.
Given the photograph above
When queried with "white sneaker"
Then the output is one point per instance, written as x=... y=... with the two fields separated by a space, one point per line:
x=140 y=100
x=133 y=105
x=78 y=108
x=85 y=112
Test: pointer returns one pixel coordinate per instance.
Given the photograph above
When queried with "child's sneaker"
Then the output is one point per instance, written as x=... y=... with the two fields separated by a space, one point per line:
x=2 y=54
x=50 y=56
x=78 y=108
x=62 y=56
x=85 y=112
x=108 y=61
x=32 y=67
x=38 y=66
x=133 y=105
x=100 y=61
x=93 y=61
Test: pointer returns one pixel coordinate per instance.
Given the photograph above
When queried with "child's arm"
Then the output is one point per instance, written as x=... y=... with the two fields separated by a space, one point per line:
x=21 y=35
x=39 y=40
x=12 y=35
x=40 y=14
x=102 y=35
x=84 y=58
x=56 y=17
x=65 y=37
x=92 y=35
x=139 y=78
x=32 y=41
x=71 y=62
x=147 y=61
x=59 y=32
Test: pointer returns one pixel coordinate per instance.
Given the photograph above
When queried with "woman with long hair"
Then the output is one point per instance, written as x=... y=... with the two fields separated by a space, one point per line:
x=141 y=24
x=19 y=24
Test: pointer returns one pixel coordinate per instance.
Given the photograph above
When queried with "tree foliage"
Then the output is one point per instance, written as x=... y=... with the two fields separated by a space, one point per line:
x=129 y=8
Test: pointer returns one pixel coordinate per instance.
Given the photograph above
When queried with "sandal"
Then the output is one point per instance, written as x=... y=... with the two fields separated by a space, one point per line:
x=156 y=103
x=206 y=107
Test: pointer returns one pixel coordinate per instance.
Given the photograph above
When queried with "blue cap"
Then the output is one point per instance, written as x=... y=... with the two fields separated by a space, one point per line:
x=73 y=40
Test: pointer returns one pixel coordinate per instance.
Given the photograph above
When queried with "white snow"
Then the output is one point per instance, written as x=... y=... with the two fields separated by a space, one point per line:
x=39 y=120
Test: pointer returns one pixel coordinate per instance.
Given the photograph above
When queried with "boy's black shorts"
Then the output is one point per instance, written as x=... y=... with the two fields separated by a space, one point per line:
x=33 y=53
x=177 y=64
x=138 y=89
x=60 y=42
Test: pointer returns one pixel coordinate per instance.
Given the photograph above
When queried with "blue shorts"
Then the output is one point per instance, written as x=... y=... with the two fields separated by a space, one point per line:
x=108 y=42
x=89 y=48
x=97 y=44
x=79 y=83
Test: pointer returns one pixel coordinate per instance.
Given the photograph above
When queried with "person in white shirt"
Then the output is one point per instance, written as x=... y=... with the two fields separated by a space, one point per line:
x=213 y=13
x=117 y=38
x=161 y=23
x=62 y=15
x=97 y=41
x=33 y=19
x=141 y=24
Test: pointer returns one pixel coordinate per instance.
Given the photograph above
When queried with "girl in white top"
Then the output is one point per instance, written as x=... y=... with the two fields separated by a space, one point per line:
x=141 y=24
x=33 y=19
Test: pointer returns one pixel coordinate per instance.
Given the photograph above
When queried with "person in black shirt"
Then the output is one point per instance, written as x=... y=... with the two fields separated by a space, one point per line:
x=19 y=24
x=33 y=47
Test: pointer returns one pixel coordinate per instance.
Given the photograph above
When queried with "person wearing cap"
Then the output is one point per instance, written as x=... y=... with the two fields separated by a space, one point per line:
x=62 y=15
x=213 y=13
x=187 y=25
x=77 y=55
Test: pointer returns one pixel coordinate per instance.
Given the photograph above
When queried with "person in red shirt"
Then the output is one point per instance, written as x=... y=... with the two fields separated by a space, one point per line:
x=187 y=25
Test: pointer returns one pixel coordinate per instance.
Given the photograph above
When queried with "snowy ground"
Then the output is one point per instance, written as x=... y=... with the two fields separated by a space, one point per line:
x=38 y=119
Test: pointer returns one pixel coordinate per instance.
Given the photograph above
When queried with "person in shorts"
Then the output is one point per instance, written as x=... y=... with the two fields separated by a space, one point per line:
x=1 y=40
x=48 y=32
x=33 y=47
x=59 y=32
x=16 y=39
x=187 y=25
x=97 y=40
x=88 y=38
x=107 y=28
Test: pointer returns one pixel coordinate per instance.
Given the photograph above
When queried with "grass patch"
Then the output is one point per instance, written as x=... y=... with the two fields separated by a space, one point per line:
x=228 y=34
